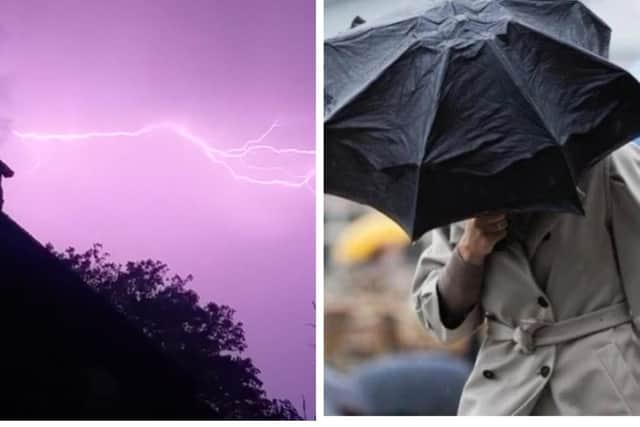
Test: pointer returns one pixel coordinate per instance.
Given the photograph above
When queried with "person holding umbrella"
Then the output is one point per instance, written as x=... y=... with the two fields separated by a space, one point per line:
x=509 y=113
x=560 y=336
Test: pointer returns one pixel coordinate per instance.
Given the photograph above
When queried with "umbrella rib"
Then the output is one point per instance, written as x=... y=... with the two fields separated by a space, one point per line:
x=527 y=95
x=443 y=72
x=523 y=88
x=505 y=61
x=365 y=86
x=388 y=64
x=555 y=39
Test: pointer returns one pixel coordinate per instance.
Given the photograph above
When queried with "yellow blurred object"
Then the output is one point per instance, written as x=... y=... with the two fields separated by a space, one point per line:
x=367 y=235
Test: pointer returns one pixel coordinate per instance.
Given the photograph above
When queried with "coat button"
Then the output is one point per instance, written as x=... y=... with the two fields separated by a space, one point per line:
x=543 y=302
x=488 y=374
x=546 y=237
x=545 y=371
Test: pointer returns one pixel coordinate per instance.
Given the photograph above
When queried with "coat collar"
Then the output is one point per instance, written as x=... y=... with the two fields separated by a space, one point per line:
x=538 y=226
x=544 y=223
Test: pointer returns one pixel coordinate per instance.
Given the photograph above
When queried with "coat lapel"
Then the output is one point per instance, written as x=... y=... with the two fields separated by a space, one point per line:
x=540 y=227
x=542 y=224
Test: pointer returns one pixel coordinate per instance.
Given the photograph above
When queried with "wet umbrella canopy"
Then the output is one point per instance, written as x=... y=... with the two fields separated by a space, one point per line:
x=459 y=107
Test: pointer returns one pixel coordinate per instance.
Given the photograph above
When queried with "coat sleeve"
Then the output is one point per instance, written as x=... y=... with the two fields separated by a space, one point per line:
x=624 y=221
x=440 y=261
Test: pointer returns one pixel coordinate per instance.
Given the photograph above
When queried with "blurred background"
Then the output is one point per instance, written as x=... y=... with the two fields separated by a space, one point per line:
x=378 y=358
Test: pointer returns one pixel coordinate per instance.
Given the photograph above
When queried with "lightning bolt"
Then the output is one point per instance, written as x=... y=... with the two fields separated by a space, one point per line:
x=215 y=155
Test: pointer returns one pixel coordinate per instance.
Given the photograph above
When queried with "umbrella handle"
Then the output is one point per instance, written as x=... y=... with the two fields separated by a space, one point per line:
x=516 y=230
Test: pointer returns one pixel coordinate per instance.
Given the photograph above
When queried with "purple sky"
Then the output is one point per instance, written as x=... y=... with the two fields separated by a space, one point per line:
x=226 y=69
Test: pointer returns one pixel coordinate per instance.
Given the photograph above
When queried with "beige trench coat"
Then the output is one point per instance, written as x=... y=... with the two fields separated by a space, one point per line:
x=567 y=266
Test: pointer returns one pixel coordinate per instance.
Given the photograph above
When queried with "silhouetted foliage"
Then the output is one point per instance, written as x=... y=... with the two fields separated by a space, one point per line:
x=204 y=339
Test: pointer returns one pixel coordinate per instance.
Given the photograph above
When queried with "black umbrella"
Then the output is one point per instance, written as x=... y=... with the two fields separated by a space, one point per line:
x=467 y=106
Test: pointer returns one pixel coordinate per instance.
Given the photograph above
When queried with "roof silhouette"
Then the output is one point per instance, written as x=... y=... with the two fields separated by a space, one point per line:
x=66 y=353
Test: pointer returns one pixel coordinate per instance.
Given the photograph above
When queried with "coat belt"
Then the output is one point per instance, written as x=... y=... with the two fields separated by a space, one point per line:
x=532 y=333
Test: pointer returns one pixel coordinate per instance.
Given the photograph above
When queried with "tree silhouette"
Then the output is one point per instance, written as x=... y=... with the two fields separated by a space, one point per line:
x=204 y=339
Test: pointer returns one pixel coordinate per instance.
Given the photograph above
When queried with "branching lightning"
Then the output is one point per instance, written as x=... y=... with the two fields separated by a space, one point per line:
x=215 y=155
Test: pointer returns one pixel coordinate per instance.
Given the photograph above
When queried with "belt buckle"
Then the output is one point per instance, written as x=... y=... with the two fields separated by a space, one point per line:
x=523 y=335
